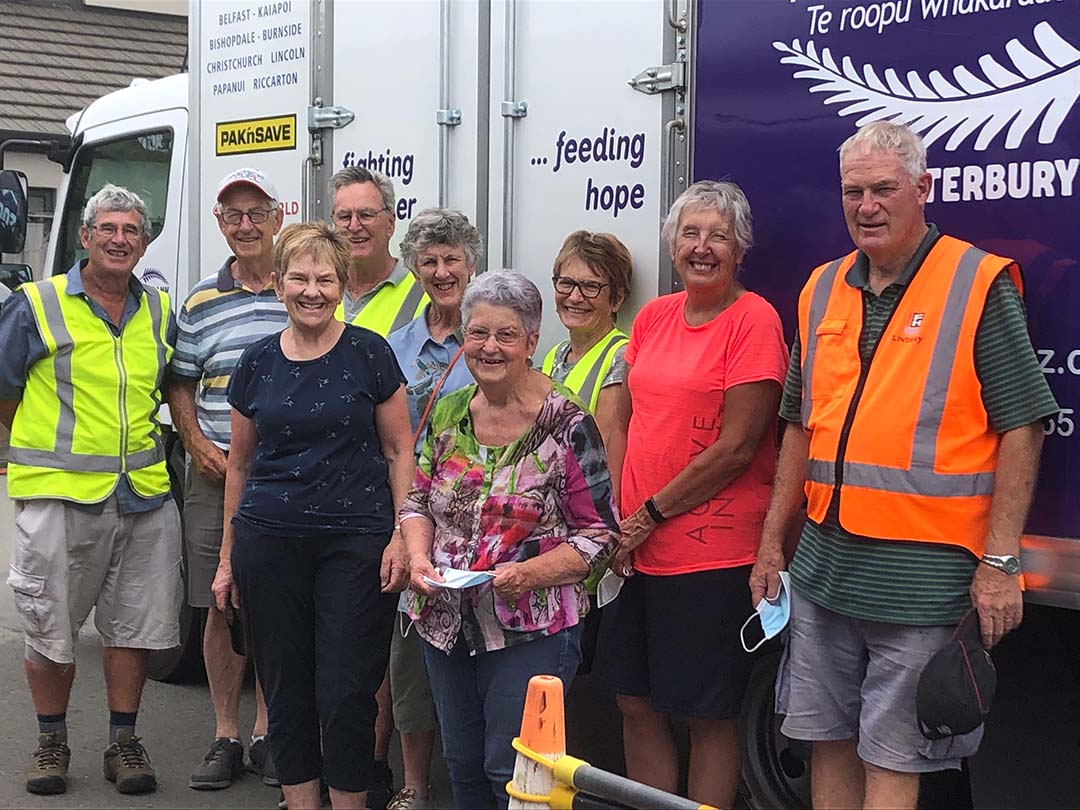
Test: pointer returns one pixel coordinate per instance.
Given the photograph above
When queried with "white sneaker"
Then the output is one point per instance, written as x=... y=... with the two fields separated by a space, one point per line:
x=407 y=799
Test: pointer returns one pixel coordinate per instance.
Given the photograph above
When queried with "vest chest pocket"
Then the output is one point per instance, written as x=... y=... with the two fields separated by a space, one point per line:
x=835 y=361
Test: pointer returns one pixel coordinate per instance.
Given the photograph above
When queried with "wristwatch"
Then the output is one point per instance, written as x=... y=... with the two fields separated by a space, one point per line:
x=1008 y=563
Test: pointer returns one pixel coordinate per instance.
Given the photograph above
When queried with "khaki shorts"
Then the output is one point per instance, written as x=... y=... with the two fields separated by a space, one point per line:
x=65 y=561
x=414 y=708
x=204 y=514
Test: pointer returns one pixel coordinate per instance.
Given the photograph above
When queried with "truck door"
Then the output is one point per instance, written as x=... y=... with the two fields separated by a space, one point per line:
x=144 y=154
x=575 y=146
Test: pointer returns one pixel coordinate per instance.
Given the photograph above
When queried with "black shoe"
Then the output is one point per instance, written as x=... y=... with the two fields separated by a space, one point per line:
x=261 y=762
x=381 y=787
x=223 y=763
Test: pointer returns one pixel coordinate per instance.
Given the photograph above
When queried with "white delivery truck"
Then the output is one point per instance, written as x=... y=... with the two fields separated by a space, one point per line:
x=540 y=117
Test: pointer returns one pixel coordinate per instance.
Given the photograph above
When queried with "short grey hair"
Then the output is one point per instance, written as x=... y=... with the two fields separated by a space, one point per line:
x=885 y=136
x=441 y=226
x=505 y=288
x=725 y=197
x=116 y=198
x=351 y=175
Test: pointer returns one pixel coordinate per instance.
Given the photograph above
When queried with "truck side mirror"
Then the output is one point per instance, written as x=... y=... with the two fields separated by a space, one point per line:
x=12 y=211
x=12 y=275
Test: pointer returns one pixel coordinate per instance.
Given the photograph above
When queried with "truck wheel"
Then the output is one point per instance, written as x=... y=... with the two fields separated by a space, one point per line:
x=184 y=663
x=775 y=770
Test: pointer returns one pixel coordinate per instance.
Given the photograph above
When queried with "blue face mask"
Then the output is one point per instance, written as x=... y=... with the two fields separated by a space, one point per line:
x=772 y=613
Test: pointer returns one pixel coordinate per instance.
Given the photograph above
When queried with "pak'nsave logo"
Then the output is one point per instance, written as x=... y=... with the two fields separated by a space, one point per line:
x=1008 y=97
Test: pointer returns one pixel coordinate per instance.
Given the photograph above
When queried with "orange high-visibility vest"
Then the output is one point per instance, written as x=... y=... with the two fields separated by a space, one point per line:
x=904 y=442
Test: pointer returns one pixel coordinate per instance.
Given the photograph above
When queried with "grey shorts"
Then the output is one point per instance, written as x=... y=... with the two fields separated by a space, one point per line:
x=414 y=708
x=65 y=561
x=842 y=678
x=204 y=515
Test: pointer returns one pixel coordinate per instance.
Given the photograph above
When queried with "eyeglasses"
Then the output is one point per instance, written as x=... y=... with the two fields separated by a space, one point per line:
x=589 y=289
x=365 y=215
x=504 y=337
x=109 y=231
x=234 y=216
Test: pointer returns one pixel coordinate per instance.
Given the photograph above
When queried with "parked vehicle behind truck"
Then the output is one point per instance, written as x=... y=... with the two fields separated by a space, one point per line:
x=538 y=117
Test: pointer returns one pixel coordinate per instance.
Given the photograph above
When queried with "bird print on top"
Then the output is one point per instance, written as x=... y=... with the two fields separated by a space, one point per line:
x=318 y=467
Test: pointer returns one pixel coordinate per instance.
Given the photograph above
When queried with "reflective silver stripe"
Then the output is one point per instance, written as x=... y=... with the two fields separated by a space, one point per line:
x=81 y=462
x=917 y=481
x=819 y=300
x=408 y=306
x=153 y=301
x=593 y=377
x=924 y=442
x=65 y=390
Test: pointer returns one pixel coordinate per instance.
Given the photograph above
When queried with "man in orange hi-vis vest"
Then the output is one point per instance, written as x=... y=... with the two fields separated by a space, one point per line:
x=914 y=403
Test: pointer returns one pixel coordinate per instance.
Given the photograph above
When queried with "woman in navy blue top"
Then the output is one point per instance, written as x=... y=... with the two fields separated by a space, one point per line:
x=320 y=462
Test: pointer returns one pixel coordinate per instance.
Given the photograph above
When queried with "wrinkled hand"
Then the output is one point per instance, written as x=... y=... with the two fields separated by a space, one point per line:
x=511 y=581
x=209 y=461
x=394 y=571
x=999 y=602
x=634 y=530
x=765 y=575
x=224 y=589
x=419 y=567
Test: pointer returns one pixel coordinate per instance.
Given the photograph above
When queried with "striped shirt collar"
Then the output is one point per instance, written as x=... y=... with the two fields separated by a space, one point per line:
x=226 y=282
x=858 y=275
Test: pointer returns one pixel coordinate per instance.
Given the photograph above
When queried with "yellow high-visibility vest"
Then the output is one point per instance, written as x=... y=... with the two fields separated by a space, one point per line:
x=88 y=413
x=586 y=377
x=393 y=306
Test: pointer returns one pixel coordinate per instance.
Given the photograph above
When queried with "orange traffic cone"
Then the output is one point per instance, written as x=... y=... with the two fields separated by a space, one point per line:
x=543 y=732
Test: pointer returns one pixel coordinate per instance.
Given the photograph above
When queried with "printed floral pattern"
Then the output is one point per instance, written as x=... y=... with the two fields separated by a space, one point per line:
x=497 y=505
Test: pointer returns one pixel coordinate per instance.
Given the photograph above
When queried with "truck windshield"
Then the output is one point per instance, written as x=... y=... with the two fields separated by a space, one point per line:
x=139 y=163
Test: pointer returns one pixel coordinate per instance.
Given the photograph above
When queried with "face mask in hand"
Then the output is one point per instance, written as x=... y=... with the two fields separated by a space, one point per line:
x=773 y=614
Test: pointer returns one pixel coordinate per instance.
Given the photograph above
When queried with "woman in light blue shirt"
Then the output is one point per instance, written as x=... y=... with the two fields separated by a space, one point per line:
x=442 y=248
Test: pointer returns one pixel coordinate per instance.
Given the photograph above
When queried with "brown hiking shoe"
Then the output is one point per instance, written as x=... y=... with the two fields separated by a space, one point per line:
x=47 y=774
x=128 y=765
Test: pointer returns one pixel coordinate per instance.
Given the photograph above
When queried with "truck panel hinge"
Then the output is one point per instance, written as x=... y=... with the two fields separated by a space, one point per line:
x=514 y=109
x=329 y=117
x=660 y=78
x=448 y=118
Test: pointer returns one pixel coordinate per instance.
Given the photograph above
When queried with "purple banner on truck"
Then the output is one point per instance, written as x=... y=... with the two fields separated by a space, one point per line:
x=991 y=84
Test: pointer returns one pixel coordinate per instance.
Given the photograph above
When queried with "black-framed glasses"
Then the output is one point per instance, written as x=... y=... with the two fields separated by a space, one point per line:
x=366 y=216
x=589 y=289
x=234 y=216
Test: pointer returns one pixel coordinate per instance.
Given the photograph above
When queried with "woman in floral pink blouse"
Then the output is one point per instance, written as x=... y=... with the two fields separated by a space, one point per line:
x=513 y=481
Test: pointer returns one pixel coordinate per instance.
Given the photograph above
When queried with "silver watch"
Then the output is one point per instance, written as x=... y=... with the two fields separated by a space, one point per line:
x=1008 y=563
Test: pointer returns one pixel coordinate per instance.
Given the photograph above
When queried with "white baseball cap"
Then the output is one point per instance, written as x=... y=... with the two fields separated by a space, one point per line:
x=250 y=177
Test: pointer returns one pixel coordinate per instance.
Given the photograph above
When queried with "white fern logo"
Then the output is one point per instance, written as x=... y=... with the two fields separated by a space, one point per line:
x=1045 y=83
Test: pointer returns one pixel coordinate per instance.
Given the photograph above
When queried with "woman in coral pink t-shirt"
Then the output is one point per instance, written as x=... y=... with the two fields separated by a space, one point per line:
x=706 y=369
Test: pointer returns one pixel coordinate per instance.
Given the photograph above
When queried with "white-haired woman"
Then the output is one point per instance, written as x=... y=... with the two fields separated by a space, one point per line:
x=512 y=480
x=706 y=367
x=441 y=249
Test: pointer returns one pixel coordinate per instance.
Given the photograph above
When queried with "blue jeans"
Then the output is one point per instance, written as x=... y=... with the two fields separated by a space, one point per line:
x=479 y=700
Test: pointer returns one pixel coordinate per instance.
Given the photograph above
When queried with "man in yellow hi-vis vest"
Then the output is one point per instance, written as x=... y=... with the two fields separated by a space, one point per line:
x=382 y=295
x=95 y=527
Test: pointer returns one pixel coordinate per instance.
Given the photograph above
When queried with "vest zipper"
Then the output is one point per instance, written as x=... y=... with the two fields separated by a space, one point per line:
x=849 y=418
x=118 y=356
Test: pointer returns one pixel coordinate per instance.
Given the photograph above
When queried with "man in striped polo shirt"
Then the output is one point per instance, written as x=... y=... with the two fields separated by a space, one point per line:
x=223 y=314
x=914 y=404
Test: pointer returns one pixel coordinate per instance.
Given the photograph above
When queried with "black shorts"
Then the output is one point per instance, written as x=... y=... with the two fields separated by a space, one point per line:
x=675 y=640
